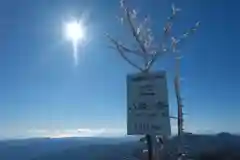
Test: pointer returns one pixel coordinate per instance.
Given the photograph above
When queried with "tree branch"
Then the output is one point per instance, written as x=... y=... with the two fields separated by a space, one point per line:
x=127 y=59
x=134 y=31
x=167 y=30
x=143 y=37
x=136 y=35
x=176 y=41
x=120 y=48
x=125 y=49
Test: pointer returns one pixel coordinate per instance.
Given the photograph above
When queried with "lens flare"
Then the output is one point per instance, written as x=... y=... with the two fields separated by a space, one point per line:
x=75 y=32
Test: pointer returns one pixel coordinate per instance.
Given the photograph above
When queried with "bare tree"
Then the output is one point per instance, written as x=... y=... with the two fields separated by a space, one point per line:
x=149 y=49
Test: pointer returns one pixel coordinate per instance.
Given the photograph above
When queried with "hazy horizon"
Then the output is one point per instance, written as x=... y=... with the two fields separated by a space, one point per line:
x=44 y=92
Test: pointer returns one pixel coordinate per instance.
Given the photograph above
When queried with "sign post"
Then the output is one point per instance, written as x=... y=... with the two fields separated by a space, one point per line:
x=147 y=94
x=148 y=107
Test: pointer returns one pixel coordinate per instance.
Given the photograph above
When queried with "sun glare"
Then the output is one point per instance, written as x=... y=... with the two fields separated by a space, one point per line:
x=75 y=32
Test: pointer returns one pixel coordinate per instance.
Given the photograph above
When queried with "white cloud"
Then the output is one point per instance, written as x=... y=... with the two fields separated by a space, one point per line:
x=80 y=132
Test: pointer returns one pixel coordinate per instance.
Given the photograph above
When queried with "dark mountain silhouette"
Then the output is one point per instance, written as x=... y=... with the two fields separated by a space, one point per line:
x=200 y=147
x=94 y=152
x=204 y=145
x=31 y=148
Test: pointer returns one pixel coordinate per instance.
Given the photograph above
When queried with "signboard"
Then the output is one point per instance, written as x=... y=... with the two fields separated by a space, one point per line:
x=147 y=104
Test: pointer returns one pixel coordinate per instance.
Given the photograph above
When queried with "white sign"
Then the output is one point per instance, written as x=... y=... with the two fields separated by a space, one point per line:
x=147 y=104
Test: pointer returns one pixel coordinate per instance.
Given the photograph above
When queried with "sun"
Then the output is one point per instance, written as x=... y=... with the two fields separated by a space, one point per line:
x=75 y=31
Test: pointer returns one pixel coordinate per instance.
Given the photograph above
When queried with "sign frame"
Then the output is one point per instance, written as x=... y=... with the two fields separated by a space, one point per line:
x=147 y=104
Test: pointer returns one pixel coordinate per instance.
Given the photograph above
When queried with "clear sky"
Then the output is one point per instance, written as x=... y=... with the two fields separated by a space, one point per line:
x=42 y=91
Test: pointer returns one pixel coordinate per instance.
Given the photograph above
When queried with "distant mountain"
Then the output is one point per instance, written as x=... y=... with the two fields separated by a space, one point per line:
x=94 y=152
x=195 y=145
x=31 y=148
x=201 y=147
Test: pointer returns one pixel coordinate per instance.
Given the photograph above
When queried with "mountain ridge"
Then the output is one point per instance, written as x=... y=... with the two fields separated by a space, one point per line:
x=109 y=148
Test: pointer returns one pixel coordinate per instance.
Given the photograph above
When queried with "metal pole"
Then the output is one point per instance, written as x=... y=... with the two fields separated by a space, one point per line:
x=149 y=146
x=180 y=106
x=153 y=148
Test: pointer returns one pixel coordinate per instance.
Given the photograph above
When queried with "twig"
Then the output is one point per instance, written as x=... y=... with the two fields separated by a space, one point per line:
x=167 y=28
x=125 y=49
x=127 y=59
x=134 y=31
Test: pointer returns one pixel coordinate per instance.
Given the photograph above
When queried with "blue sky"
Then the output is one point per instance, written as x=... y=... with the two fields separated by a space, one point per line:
x=42 y=91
